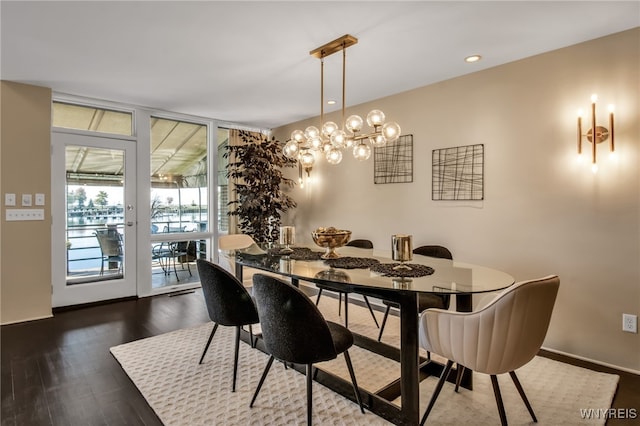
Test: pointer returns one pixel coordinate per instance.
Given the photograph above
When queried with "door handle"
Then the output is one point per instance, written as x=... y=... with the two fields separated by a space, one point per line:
x=129 y=223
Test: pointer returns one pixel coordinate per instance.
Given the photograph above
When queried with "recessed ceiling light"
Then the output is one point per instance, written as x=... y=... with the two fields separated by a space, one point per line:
x=472 y=58
x=331 y=102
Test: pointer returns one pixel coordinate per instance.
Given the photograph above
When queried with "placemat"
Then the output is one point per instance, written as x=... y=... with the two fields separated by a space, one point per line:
x=387 y=270
x=348 y=262
x=299 y=253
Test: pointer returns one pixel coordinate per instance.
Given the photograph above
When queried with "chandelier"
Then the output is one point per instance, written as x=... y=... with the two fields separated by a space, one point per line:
x=330 y=139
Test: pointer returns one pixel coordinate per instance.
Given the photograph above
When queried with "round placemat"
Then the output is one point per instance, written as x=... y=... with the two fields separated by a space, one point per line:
x=298 y=253
x=387 y=270
x=351 y=262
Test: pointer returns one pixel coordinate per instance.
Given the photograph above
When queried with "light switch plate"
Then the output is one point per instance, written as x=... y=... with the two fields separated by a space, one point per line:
x=19 y=215
x=9 y=199
x=39 y=199
x=26 y=200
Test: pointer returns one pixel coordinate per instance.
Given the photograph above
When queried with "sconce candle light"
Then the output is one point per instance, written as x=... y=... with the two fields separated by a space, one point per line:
x=596 y=134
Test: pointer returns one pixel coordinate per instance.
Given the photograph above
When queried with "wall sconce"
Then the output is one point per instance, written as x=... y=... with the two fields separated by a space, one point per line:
x=305 y=163
x=596 y=134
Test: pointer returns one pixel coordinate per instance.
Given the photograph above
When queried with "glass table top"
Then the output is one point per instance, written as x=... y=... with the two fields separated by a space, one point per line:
x=451 y=277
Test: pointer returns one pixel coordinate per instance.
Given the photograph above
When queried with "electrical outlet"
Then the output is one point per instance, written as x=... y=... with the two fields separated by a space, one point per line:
x=629 y=323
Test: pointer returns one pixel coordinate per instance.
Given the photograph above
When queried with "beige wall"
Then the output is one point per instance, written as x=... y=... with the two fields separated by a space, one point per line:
x=25 y=247
x=542 y=213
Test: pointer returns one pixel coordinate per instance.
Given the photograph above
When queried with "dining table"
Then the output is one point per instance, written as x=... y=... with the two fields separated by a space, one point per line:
x=394 y=283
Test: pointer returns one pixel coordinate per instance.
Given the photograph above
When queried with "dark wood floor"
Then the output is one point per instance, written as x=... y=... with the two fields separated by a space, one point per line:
x=59 y=371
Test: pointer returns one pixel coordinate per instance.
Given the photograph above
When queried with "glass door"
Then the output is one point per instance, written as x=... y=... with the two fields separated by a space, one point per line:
x=94 y=218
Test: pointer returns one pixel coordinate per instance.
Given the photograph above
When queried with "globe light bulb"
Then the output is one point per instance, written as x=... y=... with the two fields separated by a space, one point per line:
x=362 y=152
x=378 y=141
x=311 y=132
x=307 y=159
x=315 y=142
x=334 y=156
x=298 y=136
x=354 y=123
x=594 y=168
x=350 y=142
x=328 y=128
x=375 y=118
x=290 y=149
x=391 y=131
x=338 y=138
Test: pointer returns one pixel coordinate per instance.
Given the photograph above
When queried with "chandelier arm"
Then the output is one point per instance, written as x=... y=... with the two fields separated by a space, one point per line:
x=364 y=136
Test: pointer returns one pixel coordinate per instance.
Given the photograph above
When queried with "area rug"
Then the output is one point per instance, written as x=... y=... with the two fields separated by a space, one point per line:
x=182 y=392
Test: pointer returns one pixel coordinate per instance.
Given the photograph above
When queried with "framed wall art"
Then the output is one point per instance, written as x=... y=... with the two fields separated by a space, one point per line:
x=393 y=163
x=458 y=173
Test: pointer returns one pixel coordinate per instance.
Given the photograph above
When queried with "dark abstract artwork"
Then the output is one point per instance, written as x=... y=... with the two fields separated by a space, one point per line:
x=458 y=173
x=393 y=163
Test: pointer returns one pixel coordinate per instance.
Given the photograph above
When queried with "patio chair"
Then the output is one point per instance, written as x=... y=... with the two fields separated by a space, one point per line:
x=110 y=241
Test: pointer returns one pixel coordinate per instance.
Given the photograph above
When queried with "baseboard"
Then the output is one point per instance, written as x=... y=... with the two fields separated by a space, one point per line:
x=28 y=320
x=593 y=361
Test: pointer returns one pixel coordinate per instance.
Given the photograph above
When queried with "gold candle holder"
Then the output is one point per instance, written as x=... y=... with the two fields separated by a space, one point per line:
x=287 y=238
x=402 y=249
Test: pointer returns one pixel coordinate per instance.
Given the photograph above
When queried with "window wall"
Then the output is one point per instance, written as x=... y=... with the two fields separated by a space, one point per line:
x=179 y=199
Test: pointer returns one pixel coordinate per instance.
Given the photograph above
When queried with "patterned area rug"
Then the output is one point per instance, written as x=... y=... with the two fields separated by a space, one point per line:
x=166 y=371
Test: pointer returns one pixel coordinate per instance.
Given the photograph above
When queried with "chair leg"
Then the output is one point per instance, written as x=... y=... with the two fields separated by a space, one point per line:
x=522 y=395
x=346 y=310
x=309 y=395
x=460 y=369
x=340 y=304
x=215 y=327
x=253 y=342
x=384 y=322
x=437 y=390
x=366 y=300
x=235 y=359
x=264 y=376
x=318 y=298
x=356 y=390
x=175 y=271
x=496 y=391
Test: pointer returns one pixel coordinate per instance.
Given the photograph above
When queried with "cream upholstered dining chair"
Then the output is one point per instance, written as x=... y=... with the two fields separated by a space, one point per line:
x=228 y=245
x=500 y=338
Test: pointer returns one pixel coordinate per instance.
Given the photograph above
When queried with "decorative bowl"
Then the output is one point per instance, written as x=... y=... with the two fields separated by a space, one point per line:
x=330 y=239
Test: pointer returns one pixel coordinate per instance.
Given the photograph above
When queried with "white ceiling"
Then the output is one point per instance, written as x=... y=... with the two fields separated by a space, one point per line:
x=248 y=62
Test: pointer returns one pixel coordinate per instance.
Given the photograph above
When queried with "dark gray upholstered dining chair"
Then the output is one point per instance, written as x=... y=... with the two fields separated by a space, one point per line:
x=499 y=338
x=294 y=331
x=425 y=301
x=228 y=304
x=359 y=243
